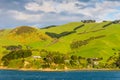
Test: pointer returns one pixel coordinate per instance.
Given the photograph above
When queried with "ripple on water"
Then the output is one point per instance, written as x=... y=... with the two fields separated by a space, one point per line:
x=70 y=75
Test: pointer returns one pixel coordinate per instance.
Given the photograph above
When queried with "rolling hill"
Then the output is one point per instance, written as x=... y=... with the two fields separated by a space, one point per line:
x=27 y=34
x=78 y=38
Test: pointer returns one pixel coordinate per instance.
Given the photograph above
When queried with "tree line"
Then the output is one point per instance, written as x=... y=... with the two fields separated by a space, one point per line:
x=79 y=43
x=65 y=33
x=55 y=35
x=55 y=59
x=15 y=52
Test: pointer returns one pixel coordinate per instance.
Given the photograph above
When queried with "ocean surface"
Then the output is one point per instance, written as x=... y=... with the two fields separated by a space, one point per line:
x=63 y=75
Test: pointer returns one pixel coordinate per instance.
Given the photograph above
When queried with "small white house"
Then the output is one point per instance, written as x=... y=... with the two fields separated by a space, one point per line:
x=36 y=57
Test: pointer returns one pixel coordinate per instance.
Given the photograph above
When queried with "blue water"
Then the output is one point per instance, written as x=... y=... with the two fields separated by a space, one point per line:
x=70 y=75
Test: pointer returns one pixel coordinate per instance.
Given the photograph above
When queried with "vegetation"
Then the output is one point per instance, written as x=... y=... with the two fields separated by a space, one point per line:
x=2 y=30
x=55 y=35
x=106 y=25
x=88 y=21
x=26 y=34
x=116 y=22
x=48 y=27
x=75 y=45
x=78 y=27
x=22 y=30
x=15 y=53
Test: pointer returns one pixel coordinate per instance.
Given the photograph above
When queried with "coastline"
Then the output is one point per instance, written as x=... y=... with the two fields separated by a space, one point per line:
x=56 y=70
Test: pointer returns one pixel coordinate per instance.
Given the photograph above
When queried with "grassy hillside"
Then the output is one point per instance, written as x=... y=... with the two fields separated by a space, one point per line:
x=62 y=28
x=101 y=47
x=37 y=39
x=20 y=36
x=26 y=34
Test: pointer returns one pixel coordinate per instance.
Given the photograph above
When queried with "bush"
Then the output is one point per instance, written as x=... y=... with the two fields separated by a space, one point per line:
x=78 y=44
x=13 y=47
x=106 y=25
x=78 y=27
x=116 y=22
x=49 y=27
x=88 y=21
x=58 y=59
x=55 y=35
x=66 y=33
x=16 y=64
x=17 y=54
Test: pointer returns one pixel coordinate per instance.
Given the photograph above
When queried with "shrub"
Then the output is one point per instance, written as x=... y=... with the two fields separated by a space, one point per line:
x=17 y=54
x=106 y=25
x=78 y=27
x=49 y=27
x=13 y=47
x=55 y=35
x=88 y=21
x=78 y=44
x=116 y=22
x=66 y=33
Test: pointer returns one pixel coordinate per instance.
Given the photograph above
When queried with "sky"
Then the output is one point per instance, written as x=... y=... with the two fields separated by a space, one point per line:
x=43 y=13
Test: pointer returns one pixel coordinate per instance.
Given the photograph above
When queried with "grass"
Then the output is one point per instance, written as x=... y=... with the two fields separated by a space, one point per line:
x=62 y=28
x=101 y=47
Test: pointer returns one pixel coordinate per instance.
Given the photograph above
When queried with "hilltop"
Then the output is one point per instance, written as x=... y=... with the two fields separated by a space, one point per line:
x=27 y=34
x=87 y=39
x=22 y=30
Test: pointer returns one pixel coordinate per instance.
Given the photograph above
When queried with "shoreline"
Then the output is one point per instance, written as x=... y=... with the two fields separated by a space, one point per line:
x=56 y=70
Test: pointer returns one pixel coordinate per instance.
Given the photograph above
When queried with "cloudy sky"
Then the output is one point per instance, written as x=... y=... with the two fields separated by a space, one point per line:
x=54 y=12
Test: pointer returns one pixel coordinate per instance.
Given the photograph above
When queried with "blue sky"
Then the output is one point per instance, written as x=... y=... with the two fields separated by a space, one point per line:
x=54 y=12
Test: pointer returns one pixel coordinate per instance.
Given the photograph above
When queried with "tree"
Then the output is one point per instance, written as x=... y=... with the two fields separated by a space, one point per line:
x=74 y=57
x=49 y=58
x=17 y=55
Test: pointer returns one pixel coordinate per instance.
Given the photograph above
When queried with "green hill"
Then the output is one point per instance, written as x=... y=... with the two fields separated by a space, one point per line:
x=89 y=40
x=101 y=47
x=27 y=34
x=23 y=30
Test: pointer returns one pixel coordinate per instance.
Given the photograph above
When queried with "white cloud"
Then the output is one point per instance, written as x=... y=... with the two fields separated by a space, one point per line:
x=45 y=12
x=24 y=16
x=52 y=6
x=100 y=9
x=98 y=12
x=69 y=7
x=32 y=6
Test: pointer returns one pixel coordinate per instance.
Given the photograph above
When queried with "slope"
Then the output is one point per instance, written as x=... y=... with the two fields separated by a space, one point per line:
x=96 y=46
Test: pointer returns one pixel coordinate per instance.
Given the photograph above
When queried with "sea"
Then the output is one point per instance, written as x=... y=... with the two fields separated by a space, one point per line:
x=59 y=75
